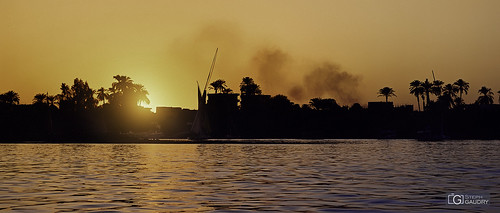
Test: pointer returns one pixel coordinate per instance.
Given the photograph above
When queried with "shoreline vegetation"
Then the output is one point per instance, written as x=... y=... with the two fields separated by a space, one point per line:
x=80 y=114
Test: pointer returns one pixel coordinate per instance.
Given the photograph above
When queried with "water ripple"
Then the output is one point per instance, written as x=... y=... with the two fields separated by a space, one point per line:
x=351 y=175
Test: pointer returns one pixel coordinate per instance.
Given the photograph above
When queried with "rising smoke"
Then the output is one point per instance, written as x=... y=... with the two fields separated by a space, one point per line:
x=270 y=65
x=275 y=69
x=326 y=80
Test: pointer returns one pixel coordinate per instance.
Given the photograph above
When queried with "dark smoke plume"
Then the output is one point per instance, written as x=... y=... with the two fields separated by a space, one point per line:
x=273 y=68
x=328 y=81
x=270 y=65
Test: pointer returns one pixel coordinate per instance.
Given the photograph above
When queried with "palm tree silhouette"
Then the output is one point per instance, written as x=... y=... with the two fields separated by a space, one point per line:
x=218 y=86
x=463 y=86
x=40 y=98
x=64 y=99
x=50 y=99
x=423 y=98
x=121 y=90
x=417 y=90
x=437 y=87
x=123 y=83
x=10 y=97
x=126 y=93
x=427 y=89
x=102 y=95
x=65 y=92
x=449 y=94
x=387 y=92
x=450 y=89
x=249 y=87
x=486 y=96
x=141 y=94
x=82 y=95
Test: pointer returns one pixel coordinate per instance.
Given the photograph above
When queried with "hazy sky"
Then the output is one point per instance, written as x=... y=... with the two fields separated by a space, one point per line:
x=345 y=50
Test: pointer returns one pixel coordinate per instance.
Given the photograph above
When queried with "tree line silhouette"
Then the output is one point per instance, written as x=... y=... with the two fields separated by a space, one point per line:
x=80 y=113
x=447 y=116
x=449 y=95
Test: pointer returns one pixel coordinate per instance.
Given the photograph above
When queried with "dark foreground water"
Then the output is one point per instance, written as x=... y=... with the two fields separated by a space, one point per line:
x=345 y=175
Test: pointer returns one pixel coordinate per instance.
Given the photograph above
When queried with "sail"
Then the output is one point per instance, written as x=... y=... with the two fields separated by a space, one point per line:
x=201 y=125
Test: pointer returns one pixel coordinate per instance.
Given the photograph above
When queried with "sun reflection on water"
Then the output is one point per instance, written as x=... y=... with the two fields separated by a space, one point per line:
x=364 y=174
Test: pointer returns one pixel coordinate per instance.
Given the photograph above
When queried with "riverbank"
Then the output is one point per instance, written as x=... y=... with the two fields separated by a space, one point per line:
x=231 y=141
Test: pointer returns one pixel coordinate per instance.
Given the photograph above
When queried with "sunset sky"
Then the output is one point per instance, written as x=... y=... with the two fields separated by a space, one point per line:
x=345 y=50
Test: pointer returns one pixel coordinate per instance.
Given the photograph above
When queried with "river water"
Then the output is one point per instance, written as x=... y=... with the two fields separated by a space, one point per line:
x=338 y=175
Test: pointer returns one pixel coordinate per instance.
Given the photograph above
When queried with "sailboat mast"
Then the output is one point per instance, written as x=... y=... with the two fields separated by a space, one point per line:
x=211 y=69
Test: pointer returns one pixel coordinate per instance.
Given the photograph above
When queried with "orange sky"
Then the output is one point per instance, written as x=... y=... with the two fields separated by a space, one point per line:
x=169 y=45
